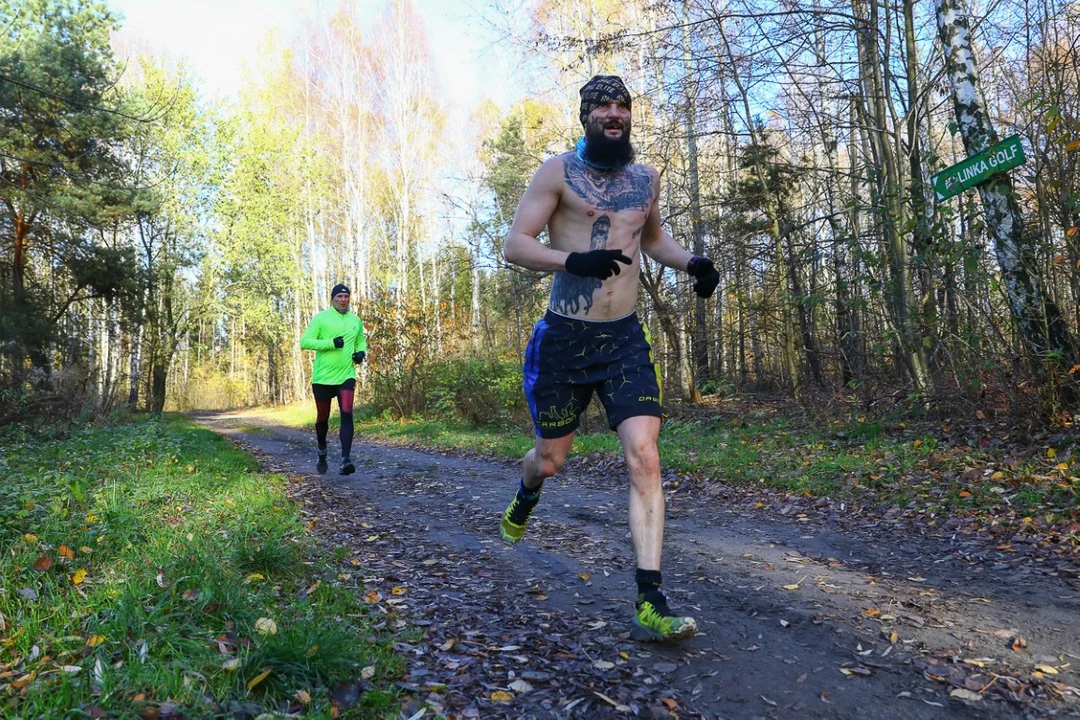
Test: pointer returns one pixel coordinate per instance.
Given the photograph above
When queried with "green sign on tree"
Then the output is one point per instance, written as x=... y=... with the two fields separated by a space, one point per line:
x=1007 y=154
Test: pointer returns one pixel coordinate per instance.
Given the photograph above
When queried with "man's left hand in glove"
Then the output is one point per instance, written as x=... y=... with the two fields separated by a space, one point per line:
x=706 y=276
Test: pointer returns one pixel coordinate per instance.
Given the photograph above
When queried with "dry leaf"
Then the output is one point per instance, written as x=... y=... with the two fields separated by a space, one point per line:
x=257 y=679
x=964 y=694
x=793 y=586
x=1048 y=669
x=78 y=577
x=96 y=640
x=603 y=665
x=232 y=665
x=448 y=644
x=367 y=673
x=501 y=696
x=617 y=706
x=372 y=597
x=43 y=563
x=871 y=612
x=24 y=680
x=265 y=626
x=855 y=671
x=302 y=697
x=520 y=686
x=398 y=590
x=670 y=703
x=584 y=576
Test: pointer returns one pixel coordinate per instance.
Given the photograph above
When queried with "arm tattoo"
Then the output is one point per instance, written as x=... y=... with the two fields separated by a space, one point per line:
x=570 y=292
x=629 y=189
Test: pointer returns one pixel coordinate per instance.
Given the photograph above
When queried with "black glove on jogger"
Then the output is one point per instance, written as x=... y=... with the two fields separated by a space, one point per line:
x=596 y=263
x=358 y=356
x=339 y=342
x=707 y=277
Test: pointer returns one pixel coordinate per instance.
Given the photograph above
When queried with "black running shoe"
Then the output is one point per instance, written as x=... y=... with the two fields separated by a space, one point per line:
x=320 y=466
x=347 y=467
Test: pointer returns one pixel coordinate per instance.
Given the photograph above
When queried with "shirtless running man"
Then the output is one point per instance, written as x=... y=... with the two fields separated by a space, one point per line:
x=601 y=211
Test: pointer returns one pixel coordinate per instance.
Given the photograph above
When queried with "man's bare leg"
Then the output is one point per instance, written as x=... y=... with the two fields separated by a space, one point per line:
x=653 y=619
x=639 y=436
x=540 y=463
x=545 y=459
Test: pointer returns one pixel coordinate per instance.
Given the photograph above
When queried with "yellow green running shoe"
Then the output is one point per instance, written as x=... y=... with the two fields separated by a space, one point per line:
x=516 y=517
x=654 y=621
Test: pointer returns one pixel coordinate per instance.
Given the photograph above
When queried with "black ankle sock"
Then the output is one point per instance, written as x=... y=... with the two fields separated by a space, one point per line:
x=647 y=580
x=529 y=495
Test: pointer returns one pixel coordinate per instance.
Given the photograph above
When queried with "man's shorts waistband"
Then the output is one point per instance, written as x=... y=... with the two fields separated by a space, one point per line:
x=553 y=318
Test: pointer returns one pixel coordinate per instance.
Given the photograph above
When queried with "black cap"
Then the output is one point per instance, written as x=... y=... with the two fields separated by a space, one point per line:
x=339 y=288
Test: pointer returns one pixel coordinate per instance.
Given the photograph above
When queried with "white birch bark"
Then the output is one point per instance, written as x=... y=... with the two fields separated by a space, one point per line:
x=1038 y=319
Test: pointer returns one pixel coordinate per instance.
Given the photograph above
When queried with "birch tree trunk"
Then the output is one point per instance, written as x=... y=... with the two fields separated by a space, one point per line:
x=888 y=206
x=1039 y=322
x=700 y=338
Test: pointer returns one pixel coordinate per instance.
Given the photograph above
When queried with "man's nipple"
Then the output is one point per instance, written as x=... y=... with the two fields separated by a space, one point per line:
x=591 y=213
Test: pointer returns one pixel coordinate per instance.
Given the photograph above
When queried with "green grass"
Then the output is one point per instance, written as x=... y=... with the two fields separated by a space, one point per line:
x=884 y=459
x=139 y=565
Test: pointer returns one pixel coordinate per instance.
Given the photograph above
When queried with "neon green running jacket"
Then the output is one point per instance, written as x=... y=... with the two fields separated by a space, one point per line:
x=333 y=366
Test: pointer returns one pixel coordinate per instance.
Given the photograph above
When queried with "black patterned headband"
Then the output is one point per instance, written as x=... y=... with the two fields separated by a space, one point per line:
x=600 y=91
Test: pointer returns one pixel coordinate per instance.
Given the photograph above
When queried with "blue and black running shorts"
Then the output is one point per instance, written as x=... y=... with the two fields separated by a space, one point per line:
x=569 y=358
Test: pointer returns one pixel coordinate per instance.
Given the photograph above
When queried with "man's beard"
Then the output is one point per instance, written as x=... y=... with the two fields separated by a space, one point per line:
x=607 y=152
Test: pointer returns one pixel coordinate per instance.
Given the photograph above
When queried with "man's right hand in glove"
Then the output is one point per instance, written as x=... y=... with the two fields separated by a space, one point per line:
x=596 y=263
x=358 y=356
x=339 y=341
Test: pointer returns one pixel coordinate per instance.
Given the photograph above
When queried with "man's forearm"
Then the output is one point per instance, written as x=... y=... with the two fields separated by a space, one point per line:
x=666 y=251
x=528 y=252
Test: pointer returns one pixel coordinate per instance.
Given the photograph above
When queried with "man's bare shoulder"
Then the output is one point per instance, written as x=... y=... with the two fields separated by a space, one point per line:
x=551 y=171
x=648 y=169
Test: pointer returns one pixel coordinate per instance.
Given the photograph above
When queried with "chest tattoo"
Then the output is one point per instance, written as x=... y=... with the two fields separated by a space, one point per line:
x=628 y=189
x=572 y=294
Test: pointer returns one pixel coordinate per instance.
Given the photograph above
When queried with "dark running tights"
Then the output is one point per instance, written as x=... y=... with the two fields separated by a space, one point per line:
x=322 y=421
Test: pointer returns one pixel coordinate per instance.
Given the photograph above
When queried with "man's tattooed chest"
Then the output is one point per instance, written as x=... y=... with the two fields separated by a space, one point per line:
x=629 y=189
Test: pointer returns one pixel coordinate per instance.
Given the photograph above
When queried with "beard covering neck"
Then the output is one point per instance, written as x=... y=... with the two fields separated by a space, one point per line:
x=603 y=153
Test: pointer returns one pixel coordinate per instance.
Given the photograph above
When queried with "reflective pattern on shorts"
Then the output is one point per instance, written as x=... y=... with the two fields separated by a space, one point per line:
x=567 y=359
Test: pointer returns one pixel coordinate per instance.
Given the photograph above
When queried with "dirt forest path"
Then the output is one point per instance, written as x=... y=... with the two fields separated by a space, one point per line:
x=800 y=618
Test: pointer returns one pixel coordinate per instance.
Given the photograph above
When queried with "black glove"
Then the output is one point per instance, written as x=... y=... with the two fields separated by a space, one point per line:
x=339 y=342
x=358 y=356
x=596 y=263
x=707 y=277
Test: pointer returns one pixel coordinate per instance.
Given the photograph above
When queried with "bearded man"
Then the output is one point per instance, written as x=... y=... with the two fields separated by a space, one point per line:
x=602 y=212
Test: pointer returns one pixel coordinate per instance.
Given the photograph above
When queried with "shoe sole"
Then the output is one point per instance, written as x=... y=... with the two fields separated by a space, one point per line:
x=348 y=469
x=642 y=633
x=321 y=469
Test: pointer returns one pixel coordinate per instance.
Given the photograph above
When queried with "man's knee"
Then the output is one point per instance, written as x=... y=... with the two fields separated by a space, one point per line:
x=548 y=462
x=643 y=455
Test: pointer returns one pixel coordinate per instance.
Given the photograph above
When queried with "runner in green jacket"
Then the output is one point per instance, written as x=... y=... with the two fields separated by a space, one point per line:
x=337 y=337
